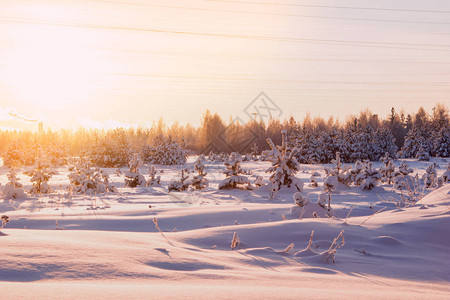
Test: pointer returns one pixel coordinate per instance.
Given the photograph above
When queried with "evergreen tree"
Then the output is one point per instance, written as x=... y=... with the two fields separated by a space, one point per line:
x=234 y=174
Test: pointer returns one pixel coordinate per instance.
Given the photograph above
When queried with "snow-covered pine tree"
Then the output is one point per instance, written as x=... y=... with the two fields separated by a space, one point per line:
x=403 y=180
x=199 y=181
x=412 y=143
x=329 y=185
x=339 y=170
x=284 y=166
x=153 y=180
x=40 y=175
x=384 y=143
x=179 y=185
x=387 y=170
x=104 y=186
x=111 y=151
x=422 y=154
x=85 y=179
x=331 y=143
x=446 y=176
x=13 y=189
x=234 y=174
x=315 y=153
x=441 y=145
x=355 y=172
x=132 y=177
x=369 y=177
x=430 y=176
x=165 y=151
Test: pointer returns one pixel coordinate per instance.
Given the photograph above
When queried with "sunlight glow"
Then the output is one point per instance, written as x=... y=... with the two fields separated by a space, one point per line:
x=52 y=68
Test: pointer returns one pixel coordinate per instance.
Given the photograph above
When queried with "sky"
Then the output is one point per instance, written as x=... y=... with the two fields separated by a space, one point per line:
x=126 y=63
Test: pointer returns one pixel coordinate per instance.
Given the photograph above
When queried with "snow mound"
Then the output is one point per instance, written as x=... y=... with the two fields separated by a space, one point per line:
x=440 y=196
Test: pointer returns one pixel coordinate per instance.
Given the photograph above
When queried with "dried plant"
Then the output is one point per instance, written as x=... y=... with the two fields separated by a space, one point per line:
x=235 y=241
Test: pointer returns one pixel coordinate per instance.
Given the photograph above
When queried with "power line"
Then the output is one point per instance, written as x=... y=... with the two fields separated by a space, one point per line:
x=333 y=6
x=272 y=14
x=390 y=45
x=284 y=80
x=257 y=57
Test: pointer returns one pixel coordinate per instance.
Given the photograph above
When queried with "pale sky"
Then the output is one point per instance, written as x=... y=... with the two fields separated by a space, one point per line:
x=130 y=62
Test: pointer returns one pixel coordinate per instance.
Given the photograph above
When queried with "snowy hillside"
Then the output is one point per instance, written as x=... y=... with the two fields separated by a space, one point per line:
x=144 y=242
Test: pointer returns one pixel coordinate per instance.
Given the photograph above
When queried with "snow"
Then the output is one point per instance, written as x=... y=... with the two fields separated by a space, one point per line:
x=56 y=246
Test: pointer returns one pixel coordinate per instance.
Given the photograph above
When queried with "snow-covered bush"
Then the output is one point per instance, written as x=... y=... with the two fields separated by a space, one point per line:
x=259 y=182
x=132 y=177
x=430 y=176
x=40 y=175
x=234 y=174
x=387 y=170
x=165 y=151
x=85 y=179
x=403 y=180
x=199 y=181
x=284 y=166
x=313 y=179
x=153 y=180
x=299 y=199
x=369 y=177
x=355 y=173
x=13 y=189
x=179 y=185
x=339 y=170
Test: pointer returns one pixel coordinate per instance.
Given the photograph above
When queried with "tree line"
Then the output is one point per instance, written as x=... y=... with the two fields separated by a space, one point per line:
x=362 y=136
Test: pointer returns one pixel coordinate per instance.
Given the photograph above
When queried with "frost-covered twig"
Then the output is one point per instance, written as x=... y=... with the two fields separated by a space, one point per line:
x=288 y=248
x=348 y=215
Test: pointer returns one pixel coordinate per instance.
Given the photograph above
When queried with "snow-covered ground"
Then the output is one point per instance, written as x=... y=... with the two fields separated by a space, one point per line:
x=57 y=247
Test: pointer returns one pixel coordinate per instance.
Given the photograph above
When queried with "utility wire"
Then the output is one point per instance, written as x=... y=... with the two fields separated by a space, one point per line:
x=333 y=6
x=284 y=80
x=271 y=14
x=370 y=44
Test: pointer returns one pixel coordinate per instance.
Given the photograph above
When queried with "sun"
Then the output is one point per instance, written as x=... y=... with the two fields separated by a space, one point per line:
x=51 y=67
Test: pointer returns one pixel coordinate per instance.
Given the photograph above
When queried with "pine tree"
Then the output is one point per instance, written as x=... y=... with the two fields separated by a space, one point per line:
x=233 y=172
x=165 y=151
x=179 y=185
x=199 y=181
x=153 y=180
x=85 y=179
x=403 y=180
x=132 y=177
x=339 y=170
x=369 y=176
x=284 y=166
x=40 y=175
x=13 y=189
x=387 y=170
x=441 y=145
x=430 y=176
x=355 y=172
